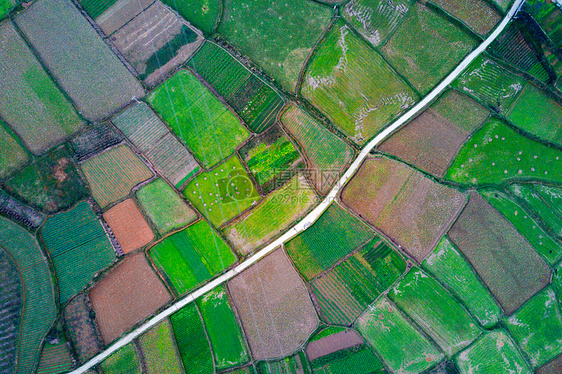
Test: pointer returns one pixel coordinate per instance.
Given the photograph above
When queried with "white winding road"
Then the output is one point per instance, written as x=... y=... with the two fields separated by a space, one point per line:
x=314 y=214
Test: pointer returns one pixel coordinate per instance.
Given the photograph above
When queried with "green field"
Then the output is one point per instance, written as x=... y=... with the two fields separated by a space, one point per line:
x=493 y=353
x=159 y=351
x=353 y=361
x=496 y=153
x=535 y=112
x=268 y=157
x=123 y=361
x=203 y=14
x=389 y=332
x=444 y=45
x=346 y=290
x=78 y=247
x=225 y=334
x=51 y=183
x=95 y=8
x=272 y=215
x=376 y=20
x=223 y=192
x=335 y=234
x=192 y=341
x=254 y=101
x=55 y=358
x=296 y=364
x=526 y=224
x=164 y=206
x=490 y=83
x=326 y=154
x=253 y=27
x=191 y=256
x=204 y=123
x=547 y=213
x=448 y=266
x=12 y=154
x=5 y=7
x=354 y=86
x=434 y=309
x=537 y=327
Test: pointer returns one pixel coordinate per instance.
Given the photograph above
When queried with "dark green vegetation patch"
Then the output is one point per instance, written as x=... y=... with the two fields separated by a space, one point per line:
x=203 y=14
x=95 y=140
x=125 y=360
x=11 y=302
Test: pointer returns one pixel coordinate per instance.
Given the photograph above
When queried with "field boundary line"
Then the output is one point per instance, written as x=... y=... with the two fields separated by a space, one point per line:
x=311 y=217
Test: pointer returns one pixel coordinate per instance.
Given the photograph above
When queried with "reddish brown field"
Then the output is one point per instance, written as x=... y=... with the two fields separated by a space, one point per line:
x=126 y=295
x=503 y=258
x=81 y=328
x=129 y=226
x=274 y=306
x=553 y=367
x=333 y=343
x=401 y=202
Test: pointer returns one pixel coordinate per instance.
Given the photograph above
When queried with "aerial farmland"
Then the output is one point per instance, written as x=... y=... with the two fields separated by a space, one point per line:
x=281 y=187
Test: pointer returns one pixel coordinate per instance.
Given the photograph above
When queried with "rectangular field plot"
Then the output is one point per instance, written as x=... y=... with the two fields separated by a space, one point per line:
x=440 y=132
x=111 y=15
x=125 y=360
x=295 y=364
x=476 y=14
x=448 y=266
x=31 y=102
x=159 y=350
x=433 y=308
x=547 y=211
x=225 y=334
x=113 y=173
x=192 y=341
x=412 y=209
x=12 y=154
x=495 y=352
x=128 y=225
x=326 y=154
x=271 y=216
x=191 y=256
x=85 y=67
x=522 y=218
x=78 y=247
x=55 y=358
x=497 y=153
x=537 y=327
x=376 y=20
x=203 y=14
x=156 y=42
x=330 y=340
x=204 y=123
x=223 y=192
x=356 y=361
x=151 y=136
x=95 y=140
x=486 y=238
x=81 y=328
x=354 y=86
x=490 y=83
x=345 y=291
x=335 y=234
x=269 y=157
x=444 y=46
x=255 y=102
x=164 y=207
x=388 y=331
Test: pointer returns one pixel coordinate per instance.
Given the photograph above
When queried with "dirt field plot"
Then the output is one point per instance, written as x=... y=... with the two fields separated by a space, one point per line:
x=487 y=239
x=156 y=42
x=159 y=351
x=281 y=54
x=324 y=344
x=95 y=140
x=444 y=46
x=407 y=206
x=203 y=14
x=11 y=303
x=125 y=360
x=477 y=14
x=12 y=154
x=128 y=226
x=81 y=328
x=114 y=14
x=31 y=102
x=191 y=256
x=326 y=154
x=113 y=173
x=272 y=215
x=94 y=78
x=274 y=307
x=55 y=358
x=448 y=266
x=164 y=206
x=120 y=298
x=553 y=367
x=344 y=79
x=346 y=290
x=433 y=139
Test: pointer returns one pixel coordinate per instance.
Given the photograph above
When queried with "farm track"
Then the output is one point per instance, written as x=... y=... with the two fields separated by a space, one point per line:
x=314 y=214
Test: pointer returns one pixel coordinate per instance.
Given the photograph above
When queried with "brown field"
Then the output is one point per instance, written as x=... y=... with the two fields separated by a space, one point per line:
x=274 y=306
x=120 y=13
x=433 y=139
x=408 y=207
x=553 y=367
x=126 y=295
x=333 y=343
x=476 y=14
x=129 y=226
x=81 y=328
x=505 y=261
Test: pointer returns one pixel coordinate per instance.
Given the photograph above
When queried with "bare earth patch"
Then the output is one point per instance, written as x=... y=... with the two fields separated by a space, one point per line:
x=128 y=225
x=333 y=343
